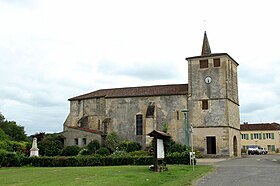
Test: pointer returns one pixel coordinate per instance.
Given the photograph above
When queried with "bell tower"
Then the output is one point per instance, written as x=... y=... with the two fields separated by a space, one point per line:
x=213 y=102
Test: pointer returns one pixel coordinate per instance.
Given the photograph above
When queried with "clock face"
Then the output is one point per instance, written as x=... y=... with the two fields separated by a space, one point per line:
x=208 y=79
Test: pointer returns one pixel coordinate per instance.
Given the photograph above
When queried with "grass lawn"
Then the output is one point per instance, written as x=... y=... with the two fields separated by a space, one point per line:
x=111 y=175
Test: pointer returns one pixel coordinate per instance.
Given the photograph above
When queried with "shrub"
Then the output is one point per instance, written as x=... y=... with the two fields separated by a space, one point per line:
x=93 y=146
x=12 y=159
x=119 y=153
x=70 y=151
x=176 y=148
x=43 y=161
x=139 y=153
x=3 y=145
x=129 y=146
x=103 y=151
x=3 y=154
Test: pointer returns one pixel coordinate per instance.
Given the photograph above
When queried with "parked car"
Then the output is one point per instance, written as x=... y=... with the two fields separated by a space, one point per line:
x=254 y=149
x=263 y=151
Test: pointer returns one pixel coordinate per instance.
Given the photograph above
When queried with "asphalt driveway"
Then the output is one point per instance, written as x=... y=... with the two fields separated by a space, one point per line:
x=250 y=170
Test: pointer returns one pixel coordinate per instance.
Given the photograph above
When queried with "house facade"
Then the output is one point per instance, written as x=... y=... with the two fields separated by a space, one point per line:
x=210 y=99
x=265 y=135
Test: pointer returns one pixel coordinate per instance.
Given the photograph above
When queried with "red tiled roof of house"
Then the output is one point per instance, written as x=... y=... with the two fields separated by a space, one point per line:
x=86 y=130
x=156 y=90
x=260 y=126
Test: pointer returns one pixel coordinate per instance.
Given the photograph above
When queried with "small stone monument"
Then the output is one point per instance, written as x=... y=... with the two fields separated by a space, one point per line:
x=159 y=149
x=34 y=151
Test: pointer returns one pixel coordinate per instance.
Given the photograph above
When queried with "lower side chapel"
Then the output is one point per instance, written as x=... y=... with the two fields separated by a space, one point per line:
x=210 y=101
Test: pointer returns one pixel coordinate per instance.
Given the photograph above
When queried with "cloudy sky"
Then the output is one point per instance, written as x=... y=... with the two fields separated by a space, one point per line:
x=52 y=50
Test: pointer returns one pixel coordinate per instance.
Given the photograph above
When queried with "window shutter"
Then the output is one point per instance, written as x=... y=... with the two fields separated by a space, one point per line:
x=260 y=136
x=272 y=135
x=264 y=136
x=252 y=136
x=247 y=136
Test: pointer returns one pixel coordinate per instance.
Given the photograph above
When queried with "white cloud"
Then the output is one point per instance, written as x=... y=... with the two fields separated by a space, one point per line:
x=56 y=49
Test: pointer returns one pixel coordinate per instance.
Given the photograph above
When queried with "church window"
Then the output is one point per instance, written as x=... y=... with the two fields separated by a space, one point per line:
x=98 y=124
x=204 y=104
x=76 y=141
x=139 y=124
x=177 y=115
x=203 y=63
x=217 y=62
x=150 y=110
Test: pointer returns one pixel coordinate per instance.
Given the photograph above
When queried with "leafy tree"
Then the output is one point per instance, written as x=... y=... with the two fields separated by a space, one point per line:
x=14 y=131
x=51 y=145
x=3 y=136
x=112 y=141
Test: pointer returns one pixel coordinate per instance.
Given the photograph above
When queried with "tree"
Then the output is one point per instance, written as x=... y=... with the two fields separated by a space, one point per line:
x=11 y=129
x=112 y=141
x=51 y=145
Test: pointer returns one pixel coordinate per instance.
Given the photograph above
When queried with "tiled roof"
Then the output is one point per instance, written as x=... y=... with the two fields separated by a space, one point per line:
x=86 y=130
x=260 y=126
x=156 y=90
x=212 y=55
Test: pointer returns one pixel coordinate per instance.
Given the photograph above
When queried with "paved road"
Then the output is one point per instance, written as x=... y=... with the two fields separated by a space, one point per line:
x=251 y=170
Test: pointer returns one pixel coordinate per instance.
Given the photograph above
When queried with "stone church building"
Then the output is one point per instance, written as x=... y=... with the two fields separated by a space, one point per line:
x=210 y=97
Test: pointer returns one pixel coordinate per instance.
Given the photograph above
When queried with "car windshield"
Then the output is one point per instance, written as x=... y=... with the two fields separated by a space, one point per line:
x=253 y=146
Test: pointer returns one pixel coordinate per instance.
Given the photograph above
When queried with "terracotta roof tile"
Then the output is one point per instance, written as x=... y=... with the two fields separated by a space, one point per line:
x=156 y=90
x=86 y=130
x=260 y=126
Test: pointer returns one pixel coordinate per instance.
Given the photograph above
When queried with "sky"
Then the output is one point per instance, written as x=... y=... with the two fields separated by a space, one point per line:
x=52 y=50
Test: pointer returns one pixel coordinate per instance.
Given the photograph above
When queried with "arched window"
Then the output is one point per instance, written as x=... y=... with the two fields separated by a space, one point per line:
x=139 y=124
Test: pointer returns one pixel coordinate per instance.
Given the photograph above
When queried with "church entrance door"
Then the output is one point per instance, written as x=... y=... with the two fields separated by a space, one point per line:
x=211 y=144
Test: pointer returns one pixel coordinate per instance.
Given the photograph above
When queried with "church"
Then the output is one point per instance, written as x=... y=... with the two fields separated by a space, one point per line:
x=208 y=105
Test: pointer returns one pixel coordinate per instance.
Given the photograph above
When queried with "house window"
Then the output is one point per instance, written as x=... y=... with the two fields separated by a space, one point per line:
x=268 y=136
x=139 y=124
x=257 y=136
x=204 y=104
x=217 y=62
x=203 y=63
x=76 y=141
x=245 y=136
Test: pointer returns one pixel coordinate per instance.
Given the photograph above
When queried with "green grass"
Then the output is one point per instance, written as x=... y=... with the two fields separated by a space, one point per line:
x=105 y=176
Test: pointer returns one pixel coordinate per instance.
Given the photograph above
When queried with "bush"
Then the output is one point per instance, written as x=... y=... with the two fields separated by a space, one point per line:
x=176 y=148
x=12 y=159
x=93 y=146
x=3 y=145
x=70 y=151
x=139 y=153
x=103 y=151
x=129 y=146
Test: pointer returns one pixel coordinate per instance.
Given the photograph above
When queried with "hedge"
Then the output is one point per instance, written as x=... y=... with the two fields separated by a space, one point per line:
x=175 y=158
x=8 y=159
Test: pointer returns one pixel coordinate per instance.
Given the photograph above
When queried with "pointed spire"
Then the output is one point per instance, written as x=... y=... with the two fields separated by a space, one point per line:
x=205 y=46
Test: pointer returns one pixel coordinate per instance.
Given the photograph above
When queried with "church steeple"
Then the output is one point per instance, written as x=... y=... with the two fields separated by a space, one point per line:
x=205 y=46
